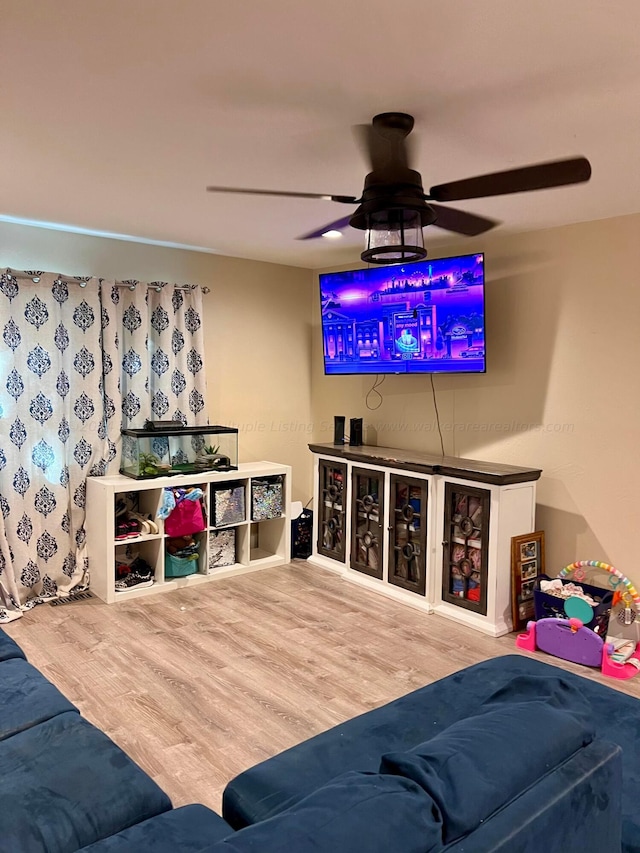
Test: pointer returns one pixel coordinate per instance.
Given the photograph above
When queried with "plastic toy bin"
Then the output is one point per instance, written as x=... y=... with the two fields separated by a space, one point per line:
x=547 y=605
x=179 y=567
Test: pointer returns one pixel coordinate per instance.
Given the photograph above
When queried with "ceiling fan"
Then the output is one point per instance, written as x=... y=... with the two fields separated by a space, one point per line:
x=394 y=208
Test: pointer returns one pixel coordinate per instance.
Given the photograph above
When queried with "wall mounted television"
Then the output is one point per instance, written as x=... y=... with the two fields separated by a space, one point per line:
x=424 y=317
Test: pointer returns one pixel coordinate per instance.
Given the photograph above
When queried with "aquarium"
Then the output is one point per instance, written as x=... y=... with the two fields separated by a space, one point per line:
x=163 y=449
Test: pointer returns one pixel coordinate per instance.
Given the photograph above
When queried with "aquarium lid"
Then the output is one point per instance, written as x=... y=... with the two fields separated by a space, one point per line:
x=161 y=428
x=164 y=426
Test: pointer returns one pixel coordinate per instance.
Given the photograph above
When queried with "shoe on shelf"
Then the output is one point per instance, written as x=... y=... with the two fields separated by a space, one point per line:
x=138 y=573
x=126 y=553
x=133 y=580
x=141 y=567
x=127 y=527
x=123 y=530
x=124 y=503
x=147 y=526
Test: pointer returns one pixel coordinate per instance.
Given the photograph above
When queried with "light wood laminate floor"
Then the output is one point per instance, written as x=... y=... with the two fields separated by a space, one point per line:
x=198 y=685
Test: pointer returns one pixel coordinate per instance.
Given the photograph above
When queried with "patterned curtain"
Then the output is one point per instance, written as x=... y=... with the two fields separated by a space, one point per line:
x=59 y=422
x=76 y=364
x=163 y=375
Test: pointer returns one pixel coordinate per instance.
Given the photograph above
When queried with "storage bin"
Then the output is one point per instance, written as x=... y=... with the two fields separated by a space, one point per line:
x=547 y=605
x=227 y=504
x=179 y=567
x=186 y=518
x=222 y=549
x=266 y=498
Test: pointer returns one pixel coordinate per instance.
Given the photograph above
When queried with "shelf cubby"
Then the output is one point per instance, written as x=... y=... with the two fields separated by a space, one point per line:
x=258 y=544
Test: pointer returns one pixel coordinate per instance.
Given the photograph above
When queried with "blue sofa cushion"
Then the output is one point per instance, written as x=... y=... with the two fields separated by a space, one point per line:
x=355 y=812
x=479 y=764
x=573 y=809
x=277 y=783
x=188 y=829
x=9 y=648
x=64 y=785
x=27 y=698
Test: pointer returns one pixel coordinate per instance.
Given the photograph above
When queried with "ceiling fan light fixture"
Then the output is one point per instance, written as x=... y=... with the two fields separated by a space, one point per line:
x=394 y=236
x=332 y=234
x=393 y=208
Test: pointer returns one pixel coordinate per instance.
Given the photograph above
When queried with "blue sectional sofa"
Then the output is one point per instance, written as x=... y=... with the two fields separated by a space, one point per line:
x=511 y=755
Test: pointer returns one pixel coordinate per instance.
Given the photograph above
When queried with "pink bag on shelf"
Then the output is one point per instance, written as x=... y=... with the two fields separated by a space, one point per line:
x=186 y=517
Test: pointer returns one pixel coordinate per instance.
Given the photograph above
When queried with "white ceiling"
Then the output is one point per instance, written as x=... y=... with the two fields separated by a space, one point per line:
x=115 y=114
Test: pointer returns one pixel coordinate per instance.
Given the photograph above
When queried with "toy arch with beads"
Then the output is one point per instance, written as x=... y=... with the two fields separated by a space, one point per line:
x=617 y=578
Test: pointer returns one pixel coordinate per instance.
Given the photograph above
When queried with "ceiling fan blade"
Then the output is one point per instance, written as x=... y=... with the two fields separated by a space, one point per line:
x=384 y=141
x=462 y=222
x=338 y=225
x=381 y=151
x=345 y=199
x=374 y=149
x=541 y=176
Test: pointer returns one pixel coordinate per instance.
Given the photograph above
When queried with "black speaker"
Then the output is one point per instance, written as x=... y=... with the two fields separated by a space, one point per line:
x=338 y=430
x=355 y=432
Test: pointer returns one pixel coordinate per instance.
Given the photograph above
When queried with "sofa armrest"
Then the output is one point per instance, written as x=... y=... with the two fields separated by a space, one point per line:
x=9 y=649
x=574 y=808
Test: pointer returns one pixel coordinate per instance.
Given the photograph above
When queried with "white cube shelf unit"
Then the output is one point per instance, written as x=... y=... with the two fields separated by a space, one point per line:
x=431 y=531
x=258 y=544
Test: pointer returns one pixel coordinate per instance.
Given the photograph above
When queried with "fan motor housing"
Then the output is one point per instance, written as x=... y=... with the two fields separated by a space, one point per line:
x=402 y=193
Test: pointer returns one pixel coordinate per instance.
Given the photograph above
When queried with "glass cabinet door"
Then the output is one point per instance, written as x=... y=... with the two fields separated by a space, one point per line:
x=465 y=546
x=366 y=521
x=408 y=533
x=331 y=515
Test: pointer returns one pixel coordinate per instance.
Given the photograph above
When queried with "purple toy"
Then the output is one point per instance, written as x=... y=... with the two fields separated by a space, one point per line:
x=567 y=639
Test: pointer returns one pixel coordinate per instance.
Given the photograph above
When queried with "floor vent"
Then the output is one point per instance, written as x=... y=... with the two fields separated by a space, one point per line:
x=74 y=596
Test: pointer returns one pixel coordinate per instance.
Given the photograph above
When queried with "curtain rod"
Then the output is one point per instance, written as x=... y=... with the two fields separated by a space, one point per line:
x=35 y=276
x=158 y=285
x=82 y=281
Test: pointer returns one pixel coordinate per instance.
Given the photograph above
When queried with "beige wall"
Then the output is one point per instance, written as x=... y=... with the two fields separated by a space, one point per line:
x=257 y=327
x=562 y=389
x=561 y=392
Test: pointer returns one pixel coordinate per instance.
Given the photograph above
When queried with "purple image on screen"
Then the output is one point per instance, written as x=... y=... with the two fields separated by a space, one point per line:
x=425 y=317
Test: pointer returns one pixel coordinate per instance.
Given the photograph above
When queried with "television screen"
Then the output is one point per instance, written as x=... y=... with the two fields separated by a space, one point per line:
x=424 y=317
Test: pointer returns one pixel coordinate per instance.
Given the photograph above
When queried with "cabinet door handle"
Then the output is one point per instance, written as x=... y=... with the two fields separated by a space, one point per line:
x=445 y=542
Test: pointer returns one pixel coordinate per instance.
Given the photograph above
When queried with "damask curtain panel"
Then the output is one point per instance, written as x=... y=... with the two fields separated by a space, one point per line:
x=163 y=375
x=60 y=419
x=80 y=359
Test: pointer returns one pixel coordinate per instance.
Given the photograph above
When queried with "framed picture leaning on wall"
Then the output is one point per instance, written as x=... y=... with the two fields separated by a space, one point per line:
x=527 y=564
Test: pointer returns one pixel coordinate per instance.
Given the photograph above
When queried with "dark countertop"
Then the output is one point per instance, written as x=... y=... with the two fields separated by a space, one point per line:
x=494 y=473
